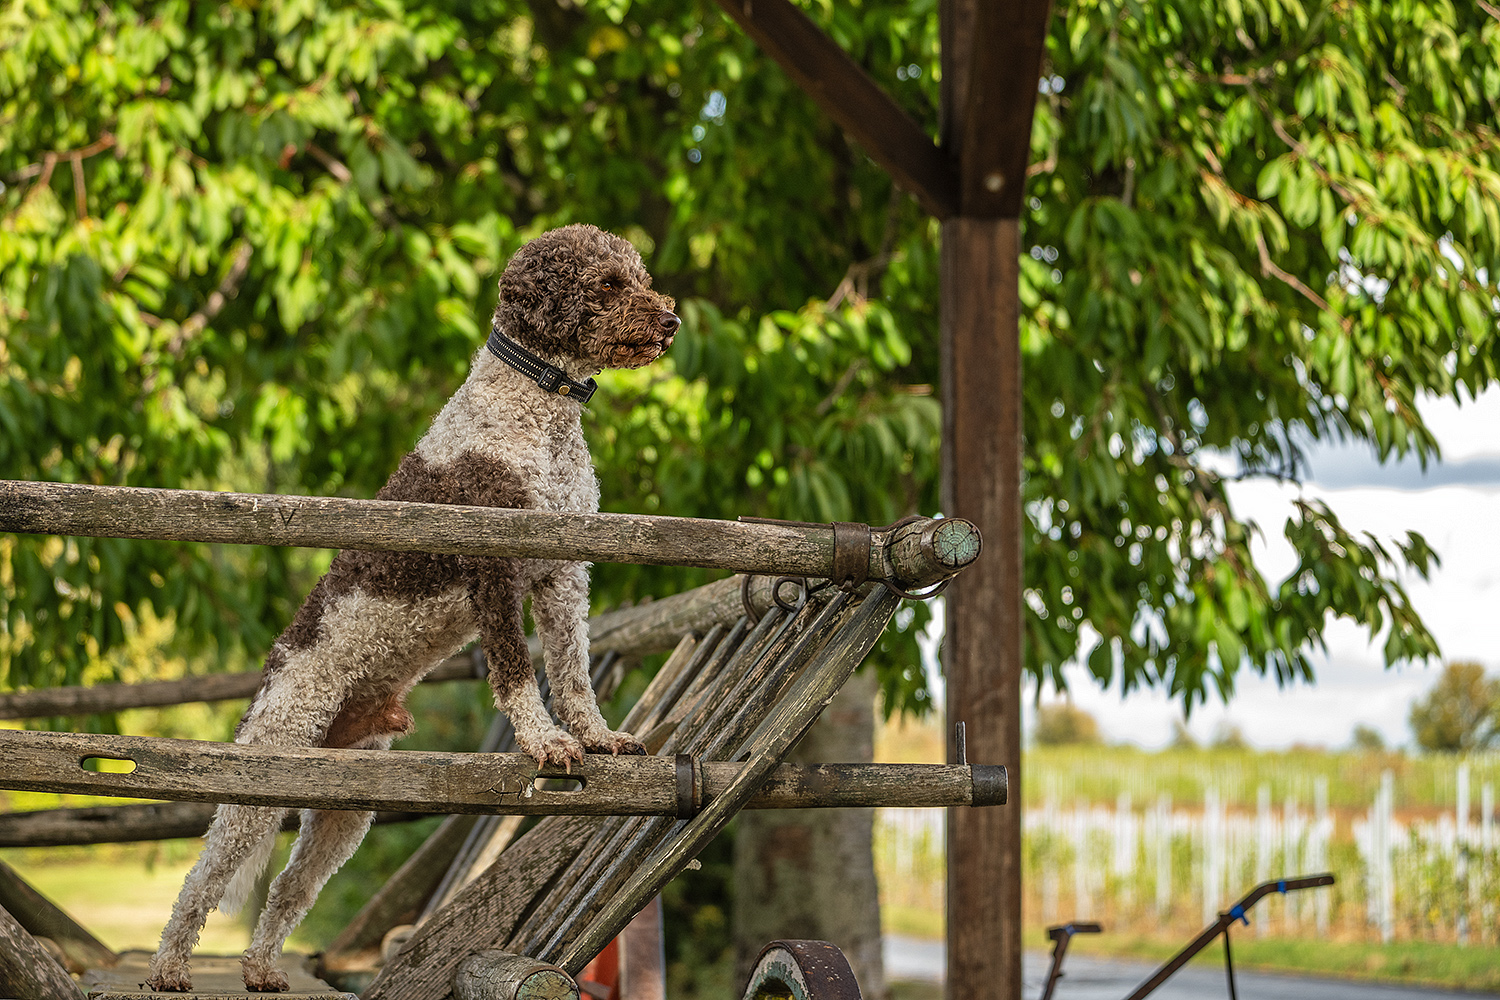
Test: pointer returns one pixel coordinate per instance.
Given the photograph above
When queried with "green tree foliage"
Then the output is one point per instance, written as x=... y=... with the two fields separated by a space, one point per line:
x=252 y=246
x=1367 y=739
x=1062 y=722
x=1461 y=713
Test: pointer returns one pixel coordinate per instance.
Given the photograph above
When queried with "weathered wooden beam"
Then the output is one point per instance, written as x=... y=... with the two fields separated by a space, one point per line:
x=26 y=968
x=848 y=95
x=992 y=57
x=44 y=919
x=128 y=824
x=399 y=899
x=786 y=723
x=774 y=548
x=652 y=627
x=983 y=656
x=425 y=781
x=499 y=975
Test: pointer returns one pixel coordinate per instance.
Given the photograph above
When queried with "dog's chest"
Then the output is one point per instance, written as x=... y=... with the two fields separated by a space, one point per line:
x=557 y=473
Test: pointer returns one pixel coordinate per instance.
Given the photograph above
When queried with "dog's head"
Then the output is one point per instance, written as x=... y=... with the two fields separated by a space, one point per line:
x=581 y=293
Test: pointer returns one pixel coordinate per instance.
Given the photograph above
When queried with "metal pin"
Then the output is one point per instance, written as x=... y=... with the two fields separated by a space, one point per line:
x=961 y=743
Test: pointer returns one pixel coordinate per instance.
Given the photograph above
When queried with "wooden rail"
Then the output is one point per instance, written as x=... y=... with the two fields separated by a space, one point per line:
x=917 y=554
x=651 y=627
x=423 y=781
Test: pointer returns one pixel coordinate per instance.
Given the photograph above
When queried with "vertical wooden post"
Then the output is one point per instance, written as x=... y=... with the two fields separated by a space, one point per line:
x=982 y=482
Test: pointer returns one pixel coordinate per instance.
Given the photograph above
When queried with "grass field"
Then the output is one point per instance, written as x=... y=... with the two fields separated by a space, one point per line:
x=124 y=895
x=1078 y=778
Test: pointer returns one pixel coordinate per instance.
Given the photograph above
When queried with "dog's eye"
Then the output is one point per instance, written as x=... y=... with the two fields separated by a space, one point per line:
x=607 y=285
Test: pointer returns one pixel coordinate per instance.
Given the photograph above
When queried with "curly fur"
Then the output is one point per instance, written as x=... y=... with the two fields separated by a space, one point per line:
x=378 y=621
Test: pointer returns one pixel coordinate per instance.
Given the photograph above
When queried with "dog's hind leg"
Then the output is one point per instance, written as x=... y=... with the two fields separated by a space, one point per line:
x=560 y=607
x=234 y=834
x=327 y=839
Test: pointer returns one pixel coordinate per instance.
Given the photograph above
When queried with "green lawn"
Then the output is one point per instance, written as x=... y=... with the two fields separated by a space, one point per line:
x=1417 y=962
x=124 y=896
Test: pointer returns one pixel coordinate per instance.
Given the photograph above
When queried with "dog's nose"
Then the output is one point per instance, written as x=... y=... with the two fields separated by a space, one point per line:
x=669 y=323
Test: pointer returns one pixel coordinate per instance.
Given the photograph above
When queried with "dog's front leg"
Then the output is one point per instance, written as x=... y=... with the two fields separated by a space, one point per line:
x=560 y=607
x=497 y=599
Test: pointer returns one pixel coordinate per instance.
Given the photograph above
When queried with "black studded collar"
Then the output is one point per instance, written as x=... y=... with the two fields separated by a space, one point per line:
x=550 y=377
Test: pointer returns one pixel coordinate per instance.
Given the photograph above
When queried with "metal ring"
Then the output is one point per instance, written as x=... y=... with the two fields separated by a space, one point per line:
x=802 y=591
x=937 y=589
x=687 y=805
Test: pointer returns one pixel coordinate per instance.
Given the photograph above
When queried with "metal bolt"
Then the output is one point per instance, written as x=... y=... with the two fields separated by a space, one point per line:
x=994 y=181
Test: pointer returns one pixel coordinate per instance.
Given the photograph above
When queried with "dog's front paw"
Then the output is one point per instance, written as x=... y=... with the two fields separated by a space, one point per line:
x=552 y=748
x=264 y=978
x=171 y=977
x=615 y=743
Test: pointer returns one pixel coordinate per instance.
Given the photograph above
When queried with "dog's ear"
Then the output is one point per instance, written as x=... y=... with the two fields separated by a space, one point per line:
x=528 y=308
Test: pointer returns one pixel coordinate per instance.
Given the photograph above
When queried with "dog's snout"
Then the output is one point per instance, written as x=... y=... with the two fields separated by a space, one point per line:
x=669 y=323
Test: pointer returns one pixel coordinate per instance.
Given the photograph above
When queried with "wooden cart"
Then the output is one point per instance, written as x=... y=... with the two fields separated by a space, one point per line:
x=478 y=911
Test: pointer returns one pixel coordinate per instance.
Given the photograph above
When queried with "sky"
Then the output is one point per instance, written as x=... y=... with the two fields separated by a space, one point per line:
x=1455 y=504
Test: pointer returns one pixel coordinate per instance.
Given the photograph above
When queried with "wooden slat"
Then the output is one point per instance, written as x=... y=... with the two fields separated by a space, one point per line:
x=127 y=824
x=652 y=627
x=43 y=918
x=425 y=781
x=845 y=92
x=26 y=969
x=396 y=526
x=399 y=899
x=216 y=977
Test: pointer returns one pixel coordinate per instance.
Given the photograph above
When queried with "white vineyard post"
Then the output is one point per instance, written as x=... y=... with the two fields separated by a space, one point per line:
x=1124 y=854
x=1386 y=883
x=1486 y=860
x=1164 y=856
x=1213 y=851
x=1319 y=859
x=1461 y=856
x=1263 y=841
x=1081 y=902
x=1291 y=862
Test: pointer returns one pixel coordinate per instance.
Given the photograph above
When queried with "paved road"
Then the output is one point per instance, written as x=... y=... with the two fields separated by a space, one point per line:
x=1113 y=979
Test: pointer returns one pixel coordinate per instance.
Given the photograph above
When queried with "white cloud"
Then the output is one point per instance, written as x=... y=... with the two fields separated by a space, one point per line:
x=1460 y=604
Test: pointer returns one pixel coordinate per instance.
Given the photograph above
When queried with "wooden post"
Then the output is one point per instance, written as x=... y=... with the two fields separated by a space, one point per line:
x=982 y=482
x=992 y=55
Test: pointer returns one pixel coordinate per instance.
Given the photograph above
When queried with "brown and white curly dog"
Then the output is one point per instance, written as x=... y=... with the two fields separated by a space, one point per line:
x=576 y=298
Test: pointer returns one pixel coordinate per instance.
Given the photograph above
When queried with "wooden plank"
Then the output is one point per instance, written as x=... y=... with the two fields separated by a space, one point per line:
x=128 y=824
x=995 y=60
x=26 y=968
x=216 y=976
x=43 y=918
x=486 y=911
x=808 y=696
x=398 y=900
x=395 y=526
x=848 y=95
x=982 y=658
x=426 y=781
x=299 y=777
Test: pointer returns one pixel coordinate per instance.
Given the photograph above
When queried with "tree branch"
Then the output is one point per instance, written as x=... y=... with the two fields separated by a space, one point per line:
x=227 y=290
x=334 y=166
x=1268 y=269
